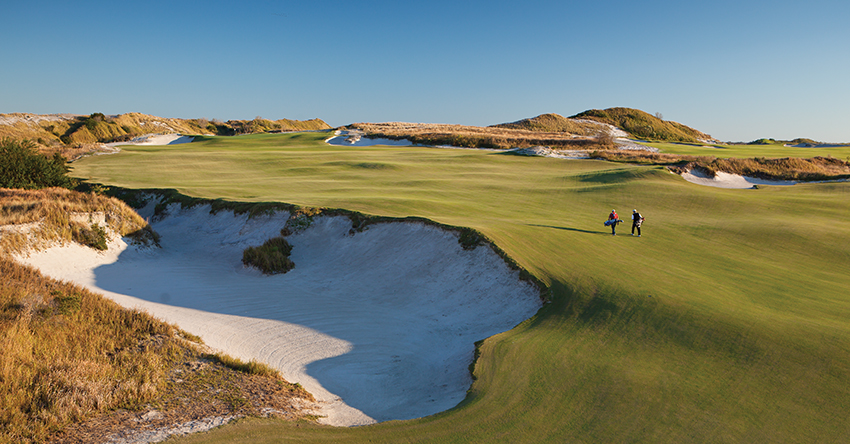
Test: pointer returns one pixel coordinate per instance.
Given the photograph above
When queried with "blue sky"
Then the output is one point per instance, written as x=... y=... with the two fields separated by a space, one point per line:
x=738 y=70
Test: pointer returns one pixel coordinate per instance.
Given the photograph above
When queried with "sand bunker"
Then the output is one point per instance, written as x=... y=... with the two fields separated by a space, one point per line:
x=726 y=180
x=378 y=325
x=358 y=138
x=154 y=139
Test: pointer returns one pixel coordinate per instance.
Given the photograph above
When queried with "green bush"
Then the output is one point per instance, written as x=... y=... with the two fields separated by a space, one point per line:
x=21 y=166
x=271 y=258
x=94 y=236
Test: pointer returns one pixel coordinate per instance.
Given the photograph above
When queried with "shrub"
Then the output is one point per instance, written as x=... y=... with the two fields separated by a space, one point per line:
x=94 y=236
x=271 y=258
x=21 y=166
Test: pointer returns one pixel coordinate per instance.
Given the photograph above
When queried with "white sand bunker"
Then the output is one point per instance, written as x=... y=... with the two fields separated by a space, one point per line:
x=378 y=325
x=155 y=139
x=358 y=138
x=727 y=180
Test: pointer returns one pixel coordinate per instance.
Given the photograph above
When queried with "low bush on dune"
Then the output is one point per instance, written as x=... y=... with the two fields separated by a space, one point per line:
x=93 y=236
x=271 y=258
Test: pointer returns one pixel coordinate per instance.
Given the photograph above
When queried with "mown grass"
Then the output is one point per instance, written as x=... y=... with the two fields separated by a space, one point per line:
x=728 y=321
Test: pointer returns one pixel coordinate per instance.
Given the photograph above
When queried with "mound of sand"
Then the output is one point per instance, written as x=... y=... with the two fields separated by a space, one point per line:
x=377 y=325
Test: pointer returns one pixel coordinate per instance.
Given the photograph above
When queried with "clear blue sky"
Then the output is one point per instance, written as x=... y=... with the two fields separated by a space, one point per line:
x=738 y=70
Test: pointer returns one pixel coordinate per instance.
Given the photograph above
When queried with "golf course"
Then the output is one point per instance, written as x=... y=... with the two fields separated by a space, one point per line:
x=728 y=320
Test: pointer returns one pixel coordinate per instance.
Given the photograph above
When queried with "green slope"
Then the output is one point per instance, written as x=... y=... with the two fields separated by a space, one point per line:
x=643 y=125
x=726 y=322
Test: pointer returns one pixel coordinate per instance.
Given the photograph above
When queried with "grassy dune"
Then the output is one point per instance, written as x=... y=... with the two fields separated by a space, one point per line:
x=728 y=321
x=576 y=136
x=642 y=125
x=748 y=150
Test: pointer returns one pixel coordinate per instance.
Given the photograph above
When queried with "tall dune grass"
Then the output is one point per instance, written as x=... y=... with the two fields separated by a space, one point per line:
x=497 y=137
x=58 y=214
x=785 y=168
x=66 y=354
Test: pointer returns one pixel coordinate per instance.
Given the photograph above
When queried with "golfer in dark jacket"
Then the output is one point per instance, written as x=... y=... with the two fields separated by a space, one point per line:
x=637 y=220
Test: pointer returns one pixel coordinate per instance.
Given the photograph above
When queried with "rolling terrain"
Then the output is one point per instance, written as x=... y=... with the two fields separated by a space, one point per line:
x=727 y=321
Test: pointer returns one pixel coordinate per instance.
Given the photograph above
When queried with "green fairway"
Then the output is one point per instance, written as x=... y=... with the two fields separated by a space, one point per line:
x=749 y=151
x=728 y=321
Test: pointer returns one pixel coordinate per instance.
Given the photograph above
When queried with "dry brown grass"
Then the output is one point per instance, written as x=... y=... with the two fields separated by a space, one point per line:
x=58 y=214
x=69 y=356
x=73 y=136
x=476 y=136
x=786 y=168
x=66 y=354
x=554 y=123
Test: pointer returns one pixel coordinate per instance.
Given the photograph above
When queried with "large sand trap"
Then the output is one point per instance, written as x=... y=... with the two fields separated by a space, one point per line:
x=727 y=180
x=378 y=325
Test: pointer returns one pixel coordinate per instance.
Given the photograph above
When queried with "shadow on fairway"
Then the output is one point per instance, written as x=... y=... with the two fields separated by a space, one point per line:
x=570 y=229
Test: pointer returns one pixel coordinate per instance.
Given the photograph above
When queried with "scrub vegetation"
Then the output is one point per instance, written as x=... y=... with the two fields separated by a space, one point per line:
x=22 y=166
x=61 y=215
x=71 y=136
x=271 y=258
x=75 y=367
x=786 y=168
x=67 y=354
x=497 y=137
x=727 y=320
x=552 y=123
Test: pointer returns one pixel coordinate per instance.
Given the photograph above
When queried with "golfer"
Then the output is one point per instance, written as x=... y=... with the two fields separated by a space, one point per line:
x=637 y=220
x=616 y=219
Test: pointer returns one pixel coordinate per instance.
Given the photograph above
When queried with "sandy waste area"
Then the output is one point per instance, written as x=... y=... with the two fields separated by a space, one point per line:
x=377 y=325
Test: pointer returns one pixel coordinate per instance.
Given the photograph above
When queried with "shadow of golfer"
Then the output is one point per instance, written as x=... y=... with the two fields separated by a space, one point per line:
x=569 y=229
